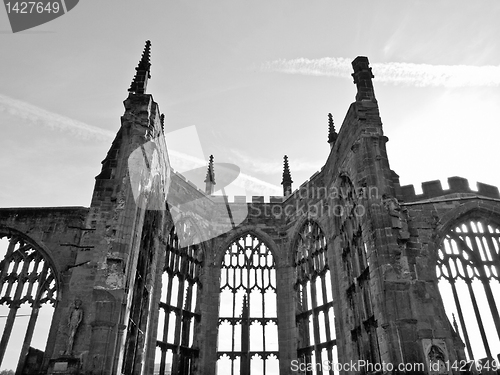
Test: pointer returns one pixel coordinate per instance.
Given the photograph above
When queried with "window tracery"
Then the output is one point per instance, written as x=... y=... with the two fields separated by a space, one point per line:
x=26 y=278
x=179 y=311
x=357 y=269
x=248 y=332
x=468 y=268
x=315 y=316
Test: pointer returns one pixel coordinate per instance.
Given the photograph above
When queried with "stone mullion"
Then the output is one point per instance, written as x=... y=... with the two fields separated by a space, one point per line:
x=165 y=324
x=138 y=339
x=27 y=338
x=33 y=318
x=186 y=329
x=7 y=330
x=330 y=349
x=263 y=291
x=12 y=245
x=327 y=320
x=478 y=317
x=6 y=260
x=305 y=318
x=11 y=282
x=14 y=305
x=461 y=318
x=491 y=302
x=487 y=289
x=209 y=320
x=34 y=277
x=233 y=325
x=494 y=256
x=305 y=315
x=315 y=323
x=484 y=280
x=496 y=238
x=140 y=353
x=178 y=326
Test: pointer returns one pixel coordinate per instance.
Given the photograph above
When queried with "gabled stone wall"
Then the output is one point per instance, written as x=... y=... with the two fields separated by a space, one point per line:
x=110 y=255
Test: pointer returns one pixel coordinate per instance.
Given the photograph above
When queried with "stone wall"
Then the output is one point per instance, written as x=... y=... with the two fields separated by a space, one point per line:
x=110 y=255
x=56 y=233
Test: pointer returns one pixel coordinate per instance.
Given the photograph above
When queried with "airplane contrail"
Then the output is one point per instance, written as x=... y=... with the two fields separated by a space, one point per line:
x=179 y=160
x=409 y=74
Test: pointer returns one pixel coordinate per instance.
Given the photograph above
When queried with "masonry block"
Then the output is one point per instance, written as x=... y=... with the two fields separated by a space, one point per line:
x=432 y=188
x=459 y=184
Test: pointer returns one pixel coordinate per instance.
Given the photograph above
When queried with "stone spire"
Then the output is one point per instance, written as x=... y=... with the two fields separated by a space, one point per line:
x=210 y=179
x=142 y=74
x=332 y=134
x=287 y=178
x=363 y=79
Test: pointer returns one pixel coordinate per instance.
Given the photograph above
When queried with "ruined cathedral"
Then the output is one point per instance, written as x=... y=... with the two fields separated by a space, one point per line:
x=348 y=273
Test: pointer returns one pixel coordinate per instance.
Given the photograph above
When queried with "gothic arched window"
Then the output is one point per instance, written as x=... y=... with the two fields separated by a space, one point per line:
x=315 y=317
x=179 y=312
x=356 y=269
x=468 y=269
x=27 y=284
x=248 y=331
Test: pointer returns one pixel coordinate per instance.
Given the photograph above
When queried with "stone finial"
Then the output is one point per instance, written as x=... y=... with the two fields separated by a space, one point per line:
x=210 y=179
x=287 y=178
x=143 y=73
x=332 y=134
x=363 y=78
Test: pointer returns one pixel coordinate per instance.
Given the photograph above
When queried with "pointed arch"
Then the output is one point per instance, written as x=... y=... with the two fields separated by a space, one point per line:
x=467 y=260
x=179 y=309
x=27 y=276
x=314 y=297
x=249 y=229
x=351 y=251
x=248 y=322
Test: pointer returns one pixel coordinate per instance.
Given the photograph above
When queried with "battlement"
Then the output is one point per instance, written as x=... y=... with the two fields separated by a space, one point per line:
x=433 y=189
x=228 y=198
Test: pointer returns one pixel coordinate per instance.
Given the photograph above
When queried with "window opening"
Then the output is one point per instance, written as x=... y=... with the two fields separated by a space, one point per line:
x=179 y=311
x=248 y=333
x=357 y=269
x=315 y=317
x=468 y=268
x=28 y=294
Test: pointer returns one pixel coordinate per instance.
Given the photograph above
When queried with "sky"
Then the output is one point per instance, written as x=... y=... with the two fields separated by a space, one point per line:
x=248 y=81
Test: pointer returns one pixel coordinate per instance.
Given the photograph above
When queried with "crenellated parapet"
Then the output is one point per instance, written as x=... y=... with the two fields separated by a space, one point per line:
x=457 y=185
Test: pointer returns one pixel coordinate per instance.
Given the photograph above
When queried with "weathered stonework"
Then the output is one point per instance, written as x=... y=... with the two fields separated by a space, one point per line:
x=382 y=242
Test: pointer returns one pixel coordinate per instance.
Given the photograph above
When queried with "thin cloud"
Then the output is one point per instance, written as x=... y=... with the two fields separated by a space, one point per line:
x=37 y=115
x=419 y=75
x=180 y=161
x=326 y=66
x=275 y=166
x=252 y=185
